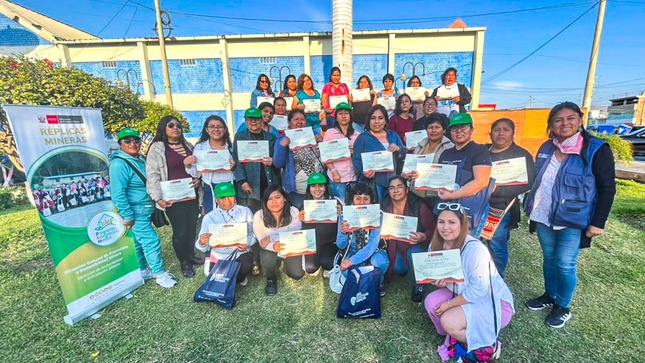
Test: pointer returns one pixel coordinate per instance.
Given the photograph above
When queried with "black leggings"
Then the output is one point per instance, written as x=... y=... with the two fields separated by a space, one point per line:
x=183 y=218
x=246 y=265
x=292 y=265
x=325 y=253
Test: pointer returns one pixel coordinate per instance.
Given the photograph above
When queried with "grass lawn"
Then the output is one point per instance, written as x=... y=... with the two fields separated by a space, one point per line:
x=299 y=323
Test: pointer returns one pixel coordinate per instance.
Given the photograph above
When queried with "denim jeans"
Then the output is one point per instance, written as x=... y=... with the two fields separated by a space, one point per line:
x=499 y=244
x=560 y=250
x=380 y=192
x=378 y=259
x=338 y=190
x=400 y=267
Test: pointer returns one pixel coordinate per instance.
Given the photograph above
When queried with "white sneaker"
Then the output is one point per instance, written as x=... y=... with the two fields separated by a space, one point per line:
x=146 y=274
x=244 y=282
x=326 y=274
x=166 y=280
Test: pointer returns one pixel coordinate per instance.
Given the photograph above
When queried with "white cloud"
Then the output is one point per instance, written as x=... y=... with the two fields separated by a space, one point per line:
x=507 y=85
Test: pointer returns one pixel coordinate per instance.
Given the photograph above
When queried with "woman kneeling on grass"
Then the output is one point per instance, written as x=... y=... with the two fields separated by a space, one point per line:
x=465 y=310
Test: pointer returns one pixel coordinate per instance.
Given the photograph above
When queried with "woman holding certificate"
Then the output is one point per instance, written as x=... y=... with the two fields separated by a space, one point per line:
x=334 y=93
x=429 y=108
x=297 y=164
x=268 y=110
x=362 y=99
x=308 y=100
x=452 y=96
x=212 y=158
x=403 y=119
x=568 y=205
x=277 y=215
x=173 y=189
x=341 y=172
x=262 y=89
x=377 y=151
x=433 y=146
x=417 y=105
x=471 y=311
x=290 y=87
x=388 y=95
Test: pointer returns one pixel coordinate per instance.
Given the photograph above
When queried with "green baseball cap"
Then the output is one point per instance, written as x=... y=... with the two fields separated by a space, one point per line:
x=317 y=178
x=343 y=106
x=223 y=190
x=128 y=133
x=461 y=119
x=253 y=112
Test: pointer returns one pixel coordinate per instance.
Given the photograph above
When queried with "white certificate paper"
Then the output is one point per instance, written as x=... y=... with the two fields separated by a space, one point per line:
x=177 y=190
x=289 y=102
x=212 y=160
x=432 y=266
x=280 y=122
x=335 y=100
x=299 y=138
x=321 y=211
x=510 y=172
x=297 y=243
x=250 y=151
x=264 y=99
x=389 y=102
x=378 y=161
x=361 y=95
x=413 y=138
x=362 y=216
x=311 y=105
x=435 y=176
x=416 y=93
x=334 y=150
x=398 y=227
x=228 y=235
x=411 y=161
x=448 y=92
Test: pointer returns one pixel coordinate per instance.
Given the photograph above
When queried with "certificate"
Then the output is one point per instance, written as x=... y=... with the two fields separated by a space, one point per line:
x=413 y=138
x=280 y=122
x=361 y=95
x=432 y=266
x=299 y=138
x=389 y=102
x=297 y=243
x=311 y=105
x=378 y=161
x=416 y=93
x=435 y=176
x=448 y=92
x=411 y=161
x=212 y=160
x=262 y=99
x=289 y=102
x=177 y=190
x=398 y=227
x=335 y=100
x=228 y=235
x=510 y=172
x=251 y=151
x=334 y=150
x=321 y=211
x=362 y=216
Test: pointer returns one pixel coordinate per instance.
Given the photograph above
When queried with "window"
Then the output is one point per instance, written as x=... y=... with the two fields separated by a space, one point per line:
x=109 y=64
x=187 y=62
x=267 y=60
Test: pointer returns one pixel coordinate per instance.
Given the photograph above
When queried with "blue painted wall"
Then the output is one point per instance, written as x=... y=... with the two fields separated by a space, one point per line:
x=13 y=34
x=202 y=78
x=245 y=71
x=112 y=74
x=320 y=68
x=196 y=120
x=435 y=65
x=372 y=65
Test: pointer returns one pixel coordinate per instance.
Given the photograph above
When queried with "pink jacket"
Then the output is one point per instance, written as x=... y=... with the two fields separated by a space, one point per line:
x=345 y=167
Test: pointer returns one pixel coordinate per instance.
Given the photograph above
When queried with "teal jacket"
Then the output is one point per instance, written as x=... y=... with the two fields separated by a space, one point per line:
x=128 y=190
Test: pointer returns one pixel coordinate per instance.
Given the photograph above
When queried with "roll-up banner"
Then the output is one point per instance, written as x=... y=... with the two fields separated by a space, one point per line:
x=63 y=151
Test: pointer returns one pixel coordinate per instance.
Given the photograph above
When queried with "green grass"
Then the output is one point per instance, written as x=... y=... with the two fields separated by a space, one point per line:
x=299 y=323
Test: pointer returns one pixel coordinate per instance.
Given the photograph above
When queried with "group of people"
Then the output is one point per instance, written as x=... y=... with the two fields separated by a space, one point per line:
x=59 y=198
x=570 y=191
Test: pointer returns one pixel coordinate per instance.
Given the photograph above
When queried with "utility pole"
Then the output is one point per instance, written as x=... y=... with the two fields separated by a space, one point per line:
x=162 y=48
x=591 y=73
x=530 y=101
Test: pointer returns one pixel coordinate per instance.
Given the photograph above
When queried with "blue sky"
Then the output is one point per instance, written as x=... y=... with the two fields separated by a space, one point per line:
x=555 y=73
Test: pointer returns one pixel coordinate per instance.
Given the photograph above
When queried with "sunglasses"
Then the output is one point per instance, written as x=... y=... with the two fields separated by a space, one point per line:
x=130 y=141
x=450 y=206
x=173 y=125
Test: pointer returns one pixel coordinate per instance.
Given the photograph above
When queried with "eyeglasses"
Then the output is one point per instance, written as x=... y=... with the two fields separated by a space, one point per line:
x=429 y=105
x=264 y=81
x=211 y=127
x=253 y=120
x=173 y=125
x=396 y=187
x=451 y=206
x=462 y=128
x=130 y=141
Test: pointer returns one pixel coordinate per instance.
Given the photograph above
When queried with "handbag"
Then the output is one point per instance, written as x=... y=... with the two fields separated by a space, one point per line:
x=360 y=297
x=219 y=287
x=158 y=217
x=336 y=277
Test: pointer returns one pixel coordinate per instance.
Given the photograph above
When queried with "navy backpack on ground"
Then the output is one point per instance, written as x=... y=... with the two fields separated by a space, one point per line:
x=360 y=297
x=219 y=287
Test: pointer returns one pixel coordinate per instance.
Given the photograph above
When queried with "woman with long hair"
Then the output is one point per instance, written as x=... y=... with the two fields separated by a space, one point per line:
x=341 y=172
x=452 y=96
x=417 y=106
x=306 y=91
x=262 y=89
x=361 y=108
x=290 y=87
x=403 y=119
x=333 y=88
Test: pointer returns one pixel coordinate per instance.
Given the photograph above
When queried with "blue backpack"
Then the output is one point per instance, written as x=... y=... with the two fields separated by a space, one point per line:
x=360 y=297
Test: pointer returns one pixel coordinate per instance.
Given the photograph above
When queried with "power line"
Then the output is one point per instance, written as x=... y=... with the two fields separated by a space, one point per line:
x=104 y=27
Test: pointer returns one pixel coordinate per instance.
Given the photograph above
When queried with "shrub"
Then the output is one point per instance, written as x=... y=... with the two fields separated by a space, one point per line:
x=12 y=196
x=621 y=149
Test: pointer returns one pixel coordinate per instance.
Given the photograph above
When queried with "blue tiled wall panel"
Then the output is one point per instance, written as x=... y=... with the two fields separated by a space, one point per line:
x=202 y=78
x=13 y=34
x=435 y=65
x=196 y=120
x=245 y=71
x=132 y=68
x=371 y=65
x=320 y=68
x=239 y=118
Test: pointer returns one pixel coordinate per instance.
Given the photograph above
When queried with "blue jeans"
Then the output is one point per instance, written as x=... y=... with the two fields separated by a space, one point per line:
x=208 y=202
x=380 y=192
x=560 y=250
x=146 y=241
x=378 y=259
x=338 y=190
x=400 y=267
x=331 y=121
x=499 y=244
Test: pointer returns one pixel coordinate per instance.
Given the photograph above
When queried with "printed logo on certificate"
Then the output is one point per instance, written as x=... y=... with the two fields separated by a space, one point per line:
x=177 y=190
x=299 y=138
x=362 y=216
x=289 y=102
x=228 y=235
x=413 y=138
x=262 y=99
x=334 y=150
x=432 y=266
x=297 y=243
x=411 y=161
x=510 y=172
x=252 y=151
x=435 y=176
x=361 y=95
x=280 y=122
x=378 y=161
x=416 y=93
x=311 y=106
x=389 y=102
x=320 y=211
x=212 y=160
x=398 y=227
x=335 y=100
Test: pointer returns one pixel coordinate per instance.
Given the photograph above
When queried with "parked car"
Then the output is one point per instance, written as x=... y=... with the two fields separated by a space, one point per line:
x=637 y=139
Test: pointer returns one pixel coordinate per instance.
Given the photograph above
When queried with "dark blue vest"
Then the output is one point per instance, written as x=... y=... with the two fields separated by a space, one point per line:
x=574 y=190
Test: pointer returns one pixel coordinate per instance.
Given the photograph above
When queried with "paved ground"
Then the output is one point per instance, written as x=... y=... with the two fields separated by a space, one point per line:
x=635 y=171
x=79 y=216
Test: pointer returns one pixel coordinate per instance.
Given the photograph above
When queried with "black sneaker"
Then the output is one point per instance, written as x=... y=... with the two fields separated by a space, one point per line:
x=272 y=287
x=557 y=317
x=540 y=303
x=417 y=293
x=187 y=270
x=196 y=260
